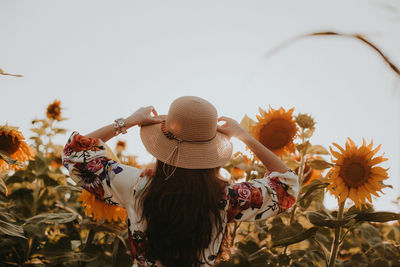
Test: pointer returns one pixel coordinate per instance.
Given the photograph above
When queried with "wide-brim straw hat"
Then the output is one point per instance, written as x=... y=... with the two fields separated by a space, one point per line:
x=188 y=136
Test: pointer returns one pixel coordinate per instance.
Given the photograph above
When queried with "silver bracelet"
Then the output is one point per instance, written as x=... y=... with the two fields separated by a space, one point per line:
x=119 y=126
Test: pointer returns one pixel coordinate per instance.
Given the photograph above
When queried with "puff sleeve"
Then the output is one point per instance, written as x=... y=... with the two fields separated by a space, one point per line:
x=86 y=161
x=260 y=199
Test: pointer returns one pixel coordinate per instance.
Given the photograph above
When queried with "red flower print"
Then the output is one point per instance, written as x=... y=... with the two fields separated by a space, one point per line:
x=243 y=191
x=285 y=200
x=94 y=165
x=82 y=143
x=256 y=198
x=67 y=151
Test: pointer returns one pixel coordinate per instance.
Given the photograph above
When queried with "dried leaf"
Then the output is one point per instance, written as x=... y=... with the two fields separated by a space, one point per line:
x=318 y=149
x=247 y=123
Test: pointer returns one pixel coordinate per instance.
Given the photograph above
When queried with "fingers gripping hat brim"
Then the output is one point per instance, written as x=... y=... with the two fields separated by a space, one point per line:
x=203 y=155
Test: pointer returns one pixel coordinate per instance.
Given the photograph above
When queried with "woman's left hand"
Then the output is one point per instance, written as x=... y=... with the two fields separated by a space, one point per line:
x=143 y=116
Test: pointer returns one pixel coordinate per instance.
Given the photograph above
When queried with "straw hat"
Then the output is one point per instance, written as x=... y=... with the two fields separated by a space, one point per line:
x=188 y=136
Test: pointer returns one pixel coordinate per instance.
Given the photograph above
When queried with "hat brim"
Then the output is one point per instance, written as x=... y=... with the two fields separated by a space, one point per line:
x=204 y=155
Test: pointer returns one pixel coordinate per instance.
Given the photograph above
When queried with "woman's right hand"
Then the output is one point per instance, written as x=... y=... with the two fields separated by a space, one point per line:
x=143 y=116
x=231 y=128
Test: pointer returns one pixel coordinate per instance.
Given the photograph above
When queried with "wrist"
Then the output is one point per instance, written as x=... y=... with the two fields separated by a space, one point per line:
x=245 y=136
x=130 y=123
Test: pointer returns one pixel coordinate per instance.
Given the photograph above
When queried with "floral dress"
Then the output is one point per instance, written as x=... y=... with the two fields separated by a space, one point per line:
x=119 y=184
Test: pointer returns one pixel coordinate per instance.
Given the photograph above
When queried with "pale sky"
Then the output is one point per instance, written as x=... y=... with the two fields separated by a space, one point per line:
x=105 y=59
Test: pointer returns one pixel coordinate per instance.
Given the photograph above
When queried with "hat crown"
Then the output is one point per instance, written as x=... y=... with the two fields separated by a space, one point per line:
x=192 y=118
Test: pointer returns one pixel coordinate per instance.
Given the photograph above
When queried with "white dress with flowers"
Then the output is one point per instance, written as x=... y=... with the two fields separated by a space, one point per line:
x=119 y=184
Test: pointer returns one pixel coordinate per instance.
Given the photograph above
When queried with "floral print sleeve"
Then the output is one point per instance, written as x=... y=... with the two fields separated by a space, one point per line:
x=86 y=160
x=260 y=199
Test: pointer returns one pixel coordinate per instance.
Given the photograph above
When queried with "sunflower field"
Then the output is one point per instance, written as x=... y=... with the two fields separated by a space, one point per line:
x=46 y=220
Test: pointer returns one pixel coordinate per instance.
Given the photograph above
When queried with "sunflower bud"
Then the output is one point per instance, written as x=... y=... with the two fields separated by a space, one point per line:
x=305 y=121
x=53 y=111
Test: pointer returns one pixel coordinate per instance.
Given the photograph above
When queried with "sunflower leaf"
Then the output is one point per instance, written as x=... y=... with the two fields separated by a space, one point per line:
x=379 y=216
x=304 y=147
x=311 y=188
x=308 y=133
x=319 y=164
x=3 y=187
x=292 y=164
x=247 y=123
x=52 y=218
x=318 y=149
x=296 y=238
x=6 y=157
x=321 y=219
x=60 y=130
x=39 y=131
x=11 y=229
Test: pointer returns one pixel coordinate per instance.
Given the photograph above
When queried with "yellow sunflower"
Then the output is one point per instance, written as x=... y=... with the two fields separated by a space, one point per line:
x=100 y=209
x=120 y=146
x=54 y=110
x=355 y=175
x=12 y=142
x=276 y=129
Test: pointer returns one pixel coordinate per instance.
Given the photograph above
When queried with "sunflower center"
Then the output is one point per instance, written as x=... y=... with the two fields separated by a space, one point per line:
x=275 y=134
x=354 y=174
x=8 y=143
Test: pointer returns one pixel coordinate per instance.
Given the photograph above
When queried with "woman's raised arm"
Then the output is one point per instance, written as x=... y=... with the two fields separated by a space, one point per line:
x=142 y=116
x=267 y=157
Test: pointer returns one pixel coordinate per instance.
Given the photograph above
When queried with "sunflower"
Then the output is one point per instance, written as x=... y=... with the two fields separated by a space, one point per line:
x=12 y=142
x=101 y=210
x=121 y=145
x=54 y=110
x=355 y=175
x=237 y=173
x=56 y=160
x=276 y=130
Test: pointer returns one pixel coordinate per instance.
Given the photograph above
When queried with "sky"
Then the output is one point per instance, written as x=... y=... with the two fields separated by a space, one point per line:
x=105 y=59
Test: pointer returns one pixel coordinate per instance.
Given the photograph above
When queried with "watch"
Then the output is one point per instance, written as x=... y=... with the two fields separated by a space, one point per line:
x=119 y=126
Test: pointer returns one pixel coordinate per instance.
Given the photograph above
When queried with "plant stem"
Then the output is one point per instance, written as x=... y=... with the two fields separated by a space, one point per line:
x=300 y=177
x=336 y=239
x=233 y=234
x=322 y=248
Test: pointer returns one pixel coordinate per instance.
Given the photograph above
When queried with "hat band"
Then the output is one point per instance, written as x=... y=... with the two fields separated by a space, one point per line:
x=171 y=136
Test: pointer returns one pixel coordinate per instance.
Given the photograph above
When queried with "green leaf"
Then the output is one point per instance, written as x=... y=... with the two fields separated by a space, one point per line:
x=319 y=164
x=296 y=238
x=304 y=147
x=68 y=188
x=247 y=123
x=60 y=131
x=39 y=131
x=322 y=219
x=308 y=189
x=379 y=216
x=318 y=149
x=6 y=157
x=8 y=228
x=309 y=133
x=3 y=187
x=292 y=164
x=57 y=257
x=52 y=218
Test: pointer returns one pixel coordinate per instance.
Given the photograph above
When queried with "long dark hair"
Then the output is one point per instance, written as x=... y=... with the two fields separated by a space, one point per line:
x=180 y=214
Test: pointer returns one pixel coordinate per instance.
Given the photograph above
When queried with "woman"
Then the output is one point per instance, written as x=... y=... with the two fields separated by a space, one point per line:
x=177 y=213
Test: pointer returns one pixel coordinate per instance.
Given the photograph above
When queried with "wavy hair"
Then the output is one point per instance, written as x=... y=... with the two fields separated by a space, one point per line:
x=181 y=213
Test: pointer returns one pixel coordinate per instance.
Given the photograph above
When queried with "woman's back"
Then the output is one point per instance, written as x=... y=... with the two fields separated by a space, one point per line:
x=178 y=217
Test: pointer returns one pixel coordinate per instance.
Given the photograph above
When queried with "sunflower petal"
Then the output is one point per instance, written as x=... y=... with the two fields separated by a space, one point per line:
x=339 y=147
